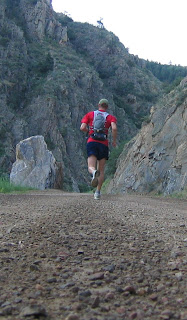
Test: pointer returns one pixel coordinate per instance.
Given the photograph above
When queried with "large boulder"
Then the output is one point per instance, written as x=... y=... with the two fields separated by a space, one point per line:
x=35 y=165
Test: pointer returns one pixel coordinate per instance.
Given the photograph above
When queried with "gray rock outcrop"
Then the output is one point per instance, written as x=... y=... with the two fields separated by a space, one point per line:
x=40 y=20
x=35 y=165
x=156 y=159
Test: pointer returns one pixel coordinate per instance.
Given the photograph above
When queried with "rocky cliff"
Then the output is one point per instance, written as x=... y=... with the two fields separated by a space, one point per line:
x=53 y=71
x=156 y=159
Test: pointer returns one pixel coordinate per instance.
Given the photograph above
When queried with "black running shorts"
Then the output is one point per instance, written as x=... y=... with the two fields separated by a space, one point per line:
x=97 y=149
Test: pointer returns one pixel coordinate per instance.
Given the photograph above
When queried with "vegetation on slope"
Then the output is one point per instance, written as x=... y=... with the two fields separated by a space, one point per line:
x=170 y=75
x=7 y=187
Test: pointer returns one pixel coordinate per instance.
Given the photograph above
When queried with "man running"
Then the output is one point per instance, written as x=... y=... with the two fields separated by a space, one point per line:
x=97 y=146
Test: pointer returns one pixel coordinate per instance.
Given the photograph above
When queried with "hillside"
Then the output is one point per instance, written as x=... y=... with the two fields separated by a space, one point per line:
x=53 y=71
x=156 y=159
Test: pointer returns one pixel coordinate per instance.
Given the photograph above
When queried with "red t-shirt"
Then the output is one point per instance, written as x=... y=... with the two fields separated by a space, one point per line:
x=88 y=119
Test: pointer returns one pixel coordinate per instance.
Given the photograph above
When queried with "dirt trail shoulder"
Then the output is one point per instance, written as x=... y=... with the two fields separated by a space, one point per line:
x=68 y=256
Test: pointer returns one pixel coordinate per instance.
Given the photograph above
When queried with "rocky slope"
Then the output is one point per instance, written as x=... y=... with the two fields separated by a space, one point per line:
x=52 y=72
x=156 y=159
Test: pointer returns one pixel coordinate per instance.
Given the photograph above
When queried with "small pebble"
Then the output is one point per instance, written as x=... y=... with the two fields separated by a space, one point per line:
x=153 y=297
x=51 y=280
x=166 y=314
x=178 y=275
x=95 y=303
x=97 y=276
x=110 y=268
x=130 y=289
x=133 y=315
x=34 y=267
x=109 y=296
x=121 y=310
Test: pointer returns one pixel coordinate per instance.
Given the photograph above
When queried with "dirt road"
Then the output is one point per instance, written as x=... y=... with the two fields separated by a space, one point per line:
x=67 y=256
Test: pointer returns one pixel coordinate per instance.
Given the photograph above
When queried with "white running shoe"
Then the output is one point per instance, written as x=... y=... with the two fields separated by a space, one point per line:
x=95 y=176
x=97 y=195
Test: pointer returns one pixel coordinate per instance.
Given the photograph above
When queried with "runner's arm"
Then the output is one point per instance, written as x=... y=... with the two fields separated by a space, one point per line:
x=114 y=133
x=84 y=127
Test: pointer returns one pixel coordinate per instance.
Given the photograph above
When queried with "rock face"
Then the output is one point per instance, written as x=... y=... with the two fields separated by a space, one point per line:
x=35 y=165
x=156 y=159
x=40 y=20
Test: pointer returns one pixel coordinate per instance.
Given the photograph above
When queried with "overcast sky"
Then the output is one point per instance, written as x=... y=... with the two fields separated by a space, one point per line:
x=152 y=29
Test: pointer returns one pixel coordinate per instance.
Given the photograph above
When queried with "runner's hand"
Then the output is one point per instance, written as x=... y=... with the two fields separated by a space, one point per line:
x=114 y=144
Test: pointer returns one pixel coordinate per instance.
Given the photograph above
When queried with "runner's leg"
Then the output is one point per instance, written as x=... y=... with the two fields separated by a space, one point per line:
x=92 y=161
x=101 y=167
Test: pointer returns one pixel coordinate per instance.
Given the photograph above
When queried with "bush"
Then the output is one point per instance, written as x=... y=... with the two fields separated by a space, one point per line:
x=169 y=87
x=4 y=42
x=33 y=2
x=50 y=144
x=105 y=185
x=131 y=63
x=6 y=187
x=180 y=194
x=63 y=19
x=121 y=103
x=181 y=98
x=46 y=65
x=5 y=32
x=112 y=161
x=2 y=150
x=125 y=88
x=84 y=188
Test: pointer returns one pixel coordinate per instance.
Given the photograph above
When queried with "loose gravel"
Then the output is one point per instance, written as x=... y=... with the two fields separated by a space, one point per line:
x=68 y=256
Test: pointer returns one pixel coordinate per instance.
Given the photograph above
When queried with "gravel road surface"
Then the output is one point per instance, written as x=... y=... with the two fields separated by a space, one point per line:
x=68 y=256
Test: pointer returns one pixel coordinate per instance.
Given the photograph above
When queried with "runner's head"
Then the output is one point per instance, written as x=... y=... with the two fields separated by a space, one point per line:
x=103 y=104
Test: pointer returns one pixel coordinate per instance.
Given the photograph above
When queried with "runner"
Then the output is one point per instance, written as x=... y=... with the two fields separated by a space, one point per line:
x=97 y=143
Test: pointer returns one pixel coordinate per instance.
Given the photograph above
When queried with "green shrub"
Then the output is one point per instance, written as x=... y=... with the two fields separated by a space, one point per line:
x=3 y=131
x=33 y=2
x=6 y=187
x=180 y=195
x=125 y=88
x=2 y=150
x=4 y=42
x=105 y=185
x=112 y=161
x=131 y=63
x=120 y=102
x=146 y=119
x=46 y=64
x=169 y=87
x=63 y=132
x=181 y=97
x=63 y=19
x=50 y=144
x=84 y=188
x=106 y=72
x=5 y=32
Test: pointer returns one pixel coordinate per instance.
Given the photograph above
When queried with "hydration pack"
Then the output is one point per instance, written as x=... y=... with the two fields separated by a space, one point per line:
x=99 y=125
